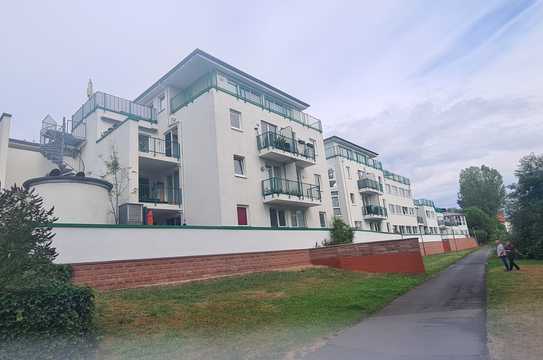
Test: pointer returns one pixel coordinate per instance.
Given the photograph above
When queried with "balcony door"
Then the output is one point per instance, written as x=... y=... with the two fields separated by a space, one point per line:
x=168 y=144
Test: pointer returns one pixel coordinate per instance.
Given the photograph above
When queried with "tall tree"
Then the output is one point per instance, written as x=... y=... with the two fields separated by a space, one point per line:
x=526 y=206
x=482 y=188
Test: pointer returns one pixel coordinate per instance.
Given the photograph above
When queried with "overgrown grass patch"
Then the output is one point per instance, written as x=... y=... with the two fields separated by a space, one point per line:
x=256 y=316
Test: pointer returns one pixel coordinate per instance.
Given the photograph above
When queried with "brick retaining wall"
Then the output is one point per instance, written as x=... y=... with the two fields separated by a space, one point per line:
x=447 y=245
x=383 y=256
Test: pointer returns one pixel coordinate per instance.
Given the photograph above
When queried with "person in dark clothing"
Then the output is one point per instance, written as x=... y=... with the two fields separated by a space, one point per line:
x=502 y=254
x=511 y=254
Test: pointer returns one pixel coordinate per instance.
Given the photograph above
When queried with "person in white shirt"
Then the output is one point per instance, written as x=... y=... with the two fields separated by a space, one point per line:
x=502 y=254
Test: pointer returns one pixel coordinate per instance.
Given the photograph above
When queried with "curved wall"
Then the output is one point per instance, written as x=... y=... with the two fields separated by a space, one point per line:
x=83 y=200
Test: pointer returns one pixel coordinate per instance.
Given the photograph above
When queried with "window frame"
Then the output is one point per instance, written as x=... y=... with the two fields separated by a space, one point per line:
x=230 y=113
x=241 y=160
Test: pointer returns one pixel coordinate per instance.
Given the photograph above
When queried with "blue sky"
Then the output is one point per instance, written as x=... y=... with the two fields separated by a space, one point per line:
x=433 y=86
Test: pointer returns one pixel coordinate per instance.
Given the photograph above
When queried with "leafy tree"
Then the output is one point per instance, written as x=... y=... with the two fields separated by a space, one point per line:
x=118 y=176
x=26 y=254
x=340 y=233
x=484 y=227
x=526 y=206
x=482 y=188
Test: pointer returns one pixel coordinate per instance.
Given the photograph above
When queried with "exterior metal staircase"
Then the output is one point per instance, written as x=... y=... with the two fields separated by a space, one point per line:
x=56 y=141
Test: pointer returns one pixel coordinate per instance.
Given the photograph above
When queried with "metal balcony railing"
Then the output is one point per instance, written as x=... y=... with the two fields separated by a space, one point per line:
x=275 y=140
x=100 y=100
x=278 y=186
x=158 y=194
x=152 y=145
x=374 y=210
x=369 y=183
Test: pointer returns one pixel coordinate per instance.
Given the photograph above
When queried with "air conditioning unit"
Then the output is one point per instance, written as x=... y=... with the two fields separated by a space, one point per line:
x=131 y=214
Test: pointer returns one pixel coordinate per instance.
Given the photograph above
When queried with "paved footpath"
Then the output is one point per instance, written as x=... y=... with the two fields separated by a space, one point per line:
x=442 y=319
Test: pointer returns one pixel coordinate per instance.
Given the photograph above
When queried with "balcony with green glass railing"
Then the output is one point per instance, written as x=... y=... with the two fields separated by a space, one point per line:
x=374 y=212
x=371 y=186
x=284 y=149
x=280 y=191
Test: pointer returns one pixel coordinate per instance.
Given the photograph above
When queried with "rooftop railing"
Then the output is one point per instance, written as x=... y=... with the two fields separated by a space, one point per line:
x=100 y=100
x=275 y=140
x=396 y=177
x=242 y=91
x=278 y=186
x=424 y=202
x=337 y=150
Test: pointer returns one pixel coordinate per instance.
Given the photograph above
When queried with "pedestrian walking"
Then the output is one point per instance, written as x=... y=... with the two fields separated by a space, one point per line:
x=502 y=254
x=511 y=252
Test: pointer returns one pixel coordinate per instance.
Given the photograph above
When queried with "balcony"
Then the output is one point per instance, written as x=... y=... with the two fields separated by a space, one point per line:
x=157 y=194
x=374 y=212
x=370 y=186
x=420 y=220
x=100 y=100
x=278 y=191
x=152 y=147
x=276 y=147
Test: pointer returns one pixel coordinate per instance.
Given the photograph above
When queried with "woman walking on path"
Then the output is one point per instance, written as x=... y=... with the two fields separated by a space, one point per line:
x=502 y=254
x=511 y=253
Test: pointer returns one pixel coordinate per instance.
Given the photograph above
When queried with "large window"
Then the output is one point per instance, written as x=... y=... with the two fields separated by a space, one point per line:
x=162 y=102
x=297 y=218
x=239 y=165
x=242 y=215
x=235 y=119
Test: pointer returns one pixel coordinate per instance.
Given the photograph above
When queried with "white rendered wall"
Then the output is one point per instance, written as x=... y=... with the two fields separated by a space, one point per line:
x=76 y=202
x=5 y=125
x=94 y=244
x=400 y=219
x=24 y=164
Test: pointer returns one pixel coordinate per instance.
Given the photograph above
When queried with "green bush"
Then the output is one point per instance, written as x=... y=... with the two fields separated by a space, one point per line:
x=481 y=236
x=51 y=321
x=340 y=233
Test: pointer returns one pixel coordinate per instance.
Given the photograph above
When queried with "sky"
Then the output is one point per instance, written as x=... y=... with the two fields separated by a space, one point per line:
x=432 y=86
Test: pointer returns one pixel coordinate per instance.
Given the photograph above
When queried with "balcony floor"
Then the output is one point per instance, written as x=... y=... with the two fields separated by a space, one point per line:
x=282 y=156
x=289 y=200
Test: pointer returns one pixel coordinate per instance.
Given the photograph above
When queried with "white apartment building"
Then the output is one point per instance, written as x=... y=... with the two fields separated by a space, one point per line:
x=365 y=195
x=207 y=144
x=427 y=217
x=452 y=221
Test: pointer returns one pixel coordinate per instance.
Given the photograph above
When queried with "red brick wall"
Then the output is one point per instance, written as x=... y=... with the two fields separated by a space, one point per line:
x=384 y=256
x=447 y=245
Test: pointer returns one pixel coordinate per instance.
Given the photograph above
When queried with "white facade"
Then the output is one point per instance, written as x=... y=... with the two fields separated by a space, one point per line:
x=206 y=145
x=427 y=217
x=365 y=195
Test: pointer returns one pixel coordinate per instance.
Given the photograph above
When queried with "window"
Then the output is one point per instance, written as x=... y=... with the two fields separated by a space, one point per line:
x=277 y=218
x=297 y=218
x=337 y=212
x=235 y=119
x=335 y=199
x=322 y=219
x=358 y=224
x=242 y=215
x=317 y=180
x=388 y=188
x=352 y=198
x=391 y=208
x=332 y=183
x=348 y=170
x=267 y=127
x=239 y=165
x=331 y=174
x=162 y=102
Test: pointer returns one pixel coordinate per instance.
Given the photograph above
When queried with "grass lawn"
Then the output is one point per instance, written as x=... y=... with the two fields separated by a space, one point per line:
x=515 y=310
x=265 y=315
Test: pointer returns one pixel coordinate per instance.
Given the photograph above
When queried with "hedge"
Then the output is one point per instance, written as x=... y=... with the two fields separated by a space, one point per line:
x=46 y=322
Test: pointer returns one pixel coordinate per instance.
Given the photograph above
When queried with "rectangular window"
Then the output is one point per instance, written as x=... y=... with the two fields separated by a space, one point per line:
x=352 y=198
x=277 y=218
x=242 y=215
x=348 y=170
x=335 y=200
x=337 y=212
x=162 y=102
x=297 y=218
x=235 y=119
x=239 y=165
x=391 y=208
x=358 y=224
x=317 y=180
x=322 y=219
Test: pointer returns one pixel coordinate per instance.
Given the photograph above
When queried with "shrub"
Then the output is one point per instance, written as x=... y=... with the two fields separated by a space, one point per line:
x=53 y=321
x=340 y=233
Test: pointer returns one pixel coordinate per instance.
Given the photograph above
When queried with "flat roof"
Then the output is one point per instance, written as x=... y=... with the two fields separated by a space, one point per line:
x=350 y=144
x=210 y=58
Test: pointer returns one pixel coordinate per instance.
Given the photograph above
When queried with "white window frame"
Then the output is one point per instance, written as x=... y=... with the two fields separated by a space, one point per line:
x=241 y=160
x=238 y=113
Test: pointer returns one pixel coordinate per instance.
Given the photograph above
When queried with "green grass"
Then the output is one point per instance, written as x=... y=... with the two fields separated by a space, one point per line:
x=436 y=263
x=263 y=315
x=515 y=310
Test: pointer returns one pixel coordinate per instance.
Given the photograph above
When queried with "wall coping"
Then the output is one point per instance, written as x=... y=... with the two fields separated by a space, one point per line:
x=67 y=179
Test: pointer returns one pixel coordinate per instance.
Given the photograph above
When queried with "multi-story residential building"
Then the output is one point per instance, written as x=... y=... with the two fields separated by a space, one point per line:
x=357 y=184
x=365 y=195
x=206 y=144
x=401 y=209
x=452 y=221
x=427 y=217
